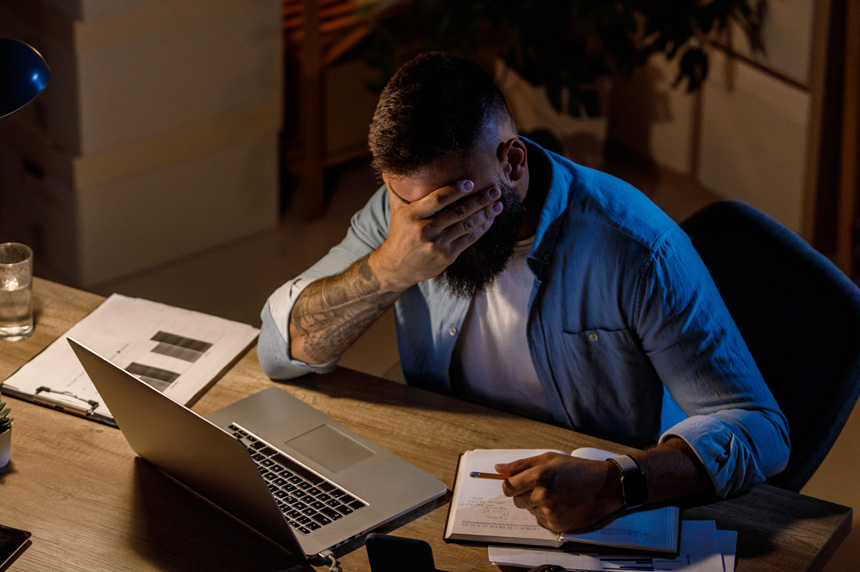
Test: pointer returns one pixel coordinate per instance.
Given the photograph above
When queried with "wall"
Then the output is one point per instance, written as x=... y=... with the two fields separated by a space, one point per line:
x=746 y=133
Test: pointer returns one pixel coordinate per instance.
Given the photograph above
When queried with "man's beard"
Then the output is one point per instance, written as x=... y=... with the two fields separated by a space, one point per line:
x=480 y=264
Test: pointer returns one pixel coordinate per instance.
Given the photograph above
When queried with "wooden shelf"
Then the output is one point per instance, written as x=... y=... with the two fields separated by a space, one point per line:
x=338 y=28
x=319 y=33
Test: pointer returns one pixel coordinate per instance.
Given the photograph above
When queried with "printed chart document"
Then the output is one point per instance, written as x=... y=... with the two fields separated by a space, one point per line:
x=703 y=549
x=480 y=512
x=179 y=352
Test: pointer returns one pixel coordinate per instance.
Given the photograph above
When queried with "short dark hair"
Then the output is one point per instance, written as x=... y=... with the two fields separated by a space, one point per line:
x=434 y=105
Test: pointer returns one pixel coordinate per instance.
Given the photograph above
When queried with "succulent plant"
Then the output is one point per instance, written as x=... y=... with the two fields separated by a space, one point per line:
x=5 y=420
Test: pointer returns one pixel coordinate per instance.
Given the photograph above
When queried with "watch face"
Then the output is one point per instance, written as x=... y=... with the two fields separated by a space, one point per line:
x=634 y=488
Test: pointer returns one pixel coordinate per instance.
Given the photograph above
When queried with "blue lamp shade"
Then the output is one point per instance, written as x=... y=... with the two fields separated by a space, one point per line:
x=23 y=75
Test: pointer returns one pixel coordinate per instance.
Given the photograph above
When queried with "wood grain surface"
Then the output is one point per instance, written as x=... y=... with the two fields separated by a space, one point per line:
x=91 y=504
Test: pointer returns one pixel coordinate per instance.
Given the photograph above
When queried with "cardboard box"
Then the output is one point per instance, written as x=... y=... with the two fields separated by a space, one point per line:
x=159 y=66
x=90 y=10
x=168 y=199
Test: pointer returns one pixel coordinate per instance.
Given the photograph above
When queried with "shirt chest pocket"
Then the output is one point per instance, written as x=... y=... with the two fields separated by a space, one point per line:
x=610 y=370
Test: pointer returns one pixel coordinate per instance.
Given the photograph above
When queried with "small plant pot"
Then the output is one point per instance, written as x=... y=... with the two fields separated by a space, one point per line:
x=5 y=446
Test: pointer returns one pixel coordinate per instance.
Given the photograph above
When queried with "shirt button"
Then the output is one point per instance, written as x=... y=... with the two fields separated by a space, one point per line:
x=546 y=257
x=593 y=337
x=452 y=330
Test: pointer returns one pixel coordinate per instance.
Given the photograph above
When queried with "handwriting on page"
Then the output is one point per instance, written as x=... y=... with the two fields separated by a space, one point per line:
x=514 y=529
x=481 y=507
x=497 y=510
x=496 y=515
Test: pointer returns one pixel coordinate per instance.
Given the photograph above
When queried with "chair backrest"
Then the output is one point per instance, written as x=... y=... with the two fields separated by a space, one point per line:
x=800 y=318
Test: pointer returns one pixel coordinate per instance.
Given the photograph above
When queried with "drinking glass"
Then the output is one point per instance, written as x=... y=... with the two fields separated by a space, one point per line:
x=16 y=291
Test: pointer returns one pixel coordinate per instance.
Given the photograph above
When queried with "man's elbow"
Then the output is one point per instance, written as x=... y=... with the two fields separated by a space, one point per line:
x=274 y=355
x=279 y=368
x=773 y=445
x=781 y=446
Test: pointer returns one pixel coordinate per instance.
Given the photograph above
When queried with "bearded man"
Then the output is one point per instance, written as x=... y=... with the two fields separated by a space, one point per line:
x=529 y=283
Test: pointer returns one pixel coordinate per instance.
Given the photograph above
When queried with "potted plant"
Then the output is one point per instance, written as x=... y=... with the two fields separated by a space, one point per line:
x=5 y=433
x=565 y=48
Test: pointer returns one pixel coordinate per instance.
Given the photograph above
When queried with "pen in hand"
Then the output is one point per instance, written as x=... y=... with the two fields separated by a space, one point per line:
x=479 y=475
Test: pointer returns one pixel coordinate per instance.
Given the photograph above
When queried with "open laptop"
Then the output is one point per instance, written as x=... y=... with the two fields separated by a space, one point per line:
x=287 y=470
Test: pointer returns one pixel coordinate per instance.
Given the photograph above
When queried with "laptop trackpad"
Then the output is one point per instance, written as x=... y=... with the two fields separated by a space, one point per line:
x=330 y=448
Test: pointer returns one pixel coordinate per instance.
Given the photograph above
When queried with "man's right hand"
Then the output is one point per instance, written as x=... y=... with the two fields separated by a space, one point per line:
x=427 y=235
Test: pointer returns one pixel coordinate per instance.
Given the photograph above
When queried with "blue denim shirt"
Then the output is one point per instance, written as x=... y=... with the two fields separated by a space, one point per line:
x=624 y=325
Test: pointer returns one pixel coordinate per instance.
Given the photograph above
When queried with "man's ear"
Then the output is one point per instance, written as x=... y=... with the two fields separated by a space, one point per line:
x=513 y=155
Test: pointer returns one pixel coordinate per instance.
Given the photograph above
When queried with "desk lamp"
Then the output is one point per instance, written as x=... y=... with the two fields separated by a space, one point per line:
x=23 y=75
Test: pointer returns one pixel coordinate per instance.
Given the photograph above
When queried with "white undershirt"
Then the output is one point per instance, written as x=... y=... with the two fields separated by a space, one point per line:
x=491 y=358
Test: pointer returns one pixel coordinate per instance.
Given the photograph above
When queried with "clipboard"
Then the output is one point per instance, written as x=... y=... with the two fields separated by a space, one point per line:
x=180 y=352
x=68 y=402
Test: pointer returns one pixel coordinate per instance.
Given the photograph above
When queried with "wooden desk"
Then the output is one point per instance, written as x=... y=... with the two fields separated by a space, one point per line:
x=92 y=505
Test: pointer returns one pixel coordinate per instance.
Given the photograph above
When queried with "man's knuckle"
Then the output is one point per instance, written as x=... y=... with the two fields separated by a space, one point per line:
x=543 y=471
x=436 y=200
x=437 y=250
x=426 y=233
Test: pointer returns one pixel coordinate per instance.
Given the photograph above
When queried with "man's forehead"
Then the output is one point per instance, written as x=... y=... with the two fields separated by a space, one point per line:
x=446 y=170
x=424 y=181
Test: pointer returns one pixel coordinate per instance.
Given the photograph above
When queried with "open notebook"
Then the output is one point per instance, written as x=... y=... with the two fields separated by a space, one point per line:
x=480 y=512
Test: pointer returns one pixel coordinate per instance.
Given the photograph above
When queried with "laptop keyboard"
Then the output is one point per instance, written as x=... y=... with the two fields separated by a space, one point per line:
x=307 y=500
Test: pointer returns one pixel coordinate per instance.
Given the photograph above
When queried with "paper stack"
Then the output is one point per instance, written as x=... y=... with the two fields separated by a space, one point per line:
x=703 y=549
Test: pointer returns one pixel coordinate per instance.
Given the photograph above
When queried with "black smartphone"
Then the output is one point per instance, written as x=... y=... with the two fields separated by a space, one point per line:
x=394 y=554
x=12 y=540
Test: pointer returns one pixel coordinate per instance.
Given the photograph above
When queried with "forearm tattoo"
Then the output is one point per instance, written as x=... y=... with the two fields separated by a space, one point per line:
x=333 y=312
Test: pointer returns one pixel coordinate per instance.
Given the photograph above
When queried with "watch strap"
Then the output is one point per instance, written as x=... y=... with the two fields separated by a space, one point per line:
x=626 y=463
x=634 y=489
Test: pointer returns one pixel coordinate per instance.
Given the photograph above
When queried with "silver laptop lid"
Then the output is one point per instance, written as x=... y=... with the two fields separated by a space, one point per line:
x=189 y=448
x=203 y=455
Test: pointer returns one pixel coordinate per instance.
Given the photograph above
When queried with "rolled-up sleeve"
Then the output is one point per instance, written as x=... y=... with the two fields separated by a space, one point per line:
x=367 y=231
x=733 y=422
x=273 y=346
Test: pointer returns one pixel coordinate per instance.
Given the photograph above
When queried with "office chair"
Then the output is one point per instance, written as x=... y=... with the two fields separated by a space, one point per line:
x=800 y=318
